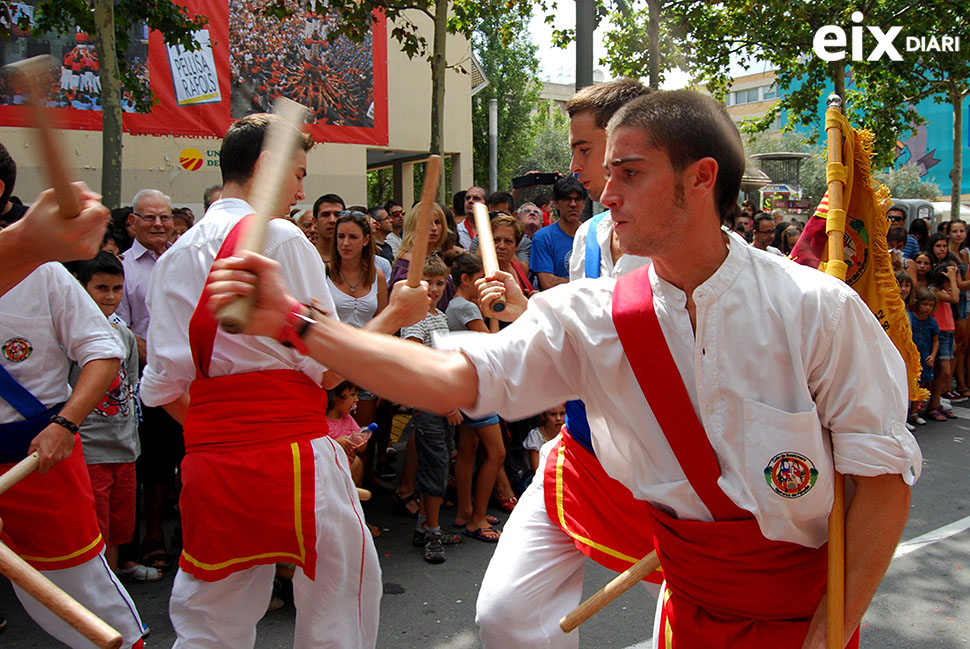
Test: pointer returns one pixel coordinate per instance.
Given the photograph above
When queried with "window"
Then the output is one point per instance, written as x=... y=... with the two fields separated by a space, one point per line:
x=770 y=92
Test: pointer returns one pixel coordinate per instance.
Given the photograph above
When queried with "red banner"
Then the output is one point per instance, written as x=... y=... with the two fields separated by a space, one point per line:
x=245 y=61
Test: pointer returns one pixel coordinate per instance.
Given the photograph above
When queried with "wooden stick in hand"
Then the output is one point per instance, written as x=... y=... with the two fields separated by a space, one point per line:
x=32 y=73
x=279 y=143
x=419 y=248
x=60 y=603
x=619 y=585
x=486 y=247
x=19 y=471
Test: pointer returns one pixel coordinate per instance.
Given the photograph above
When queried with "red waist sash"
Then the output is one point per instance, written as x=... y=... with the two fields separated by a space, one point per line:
x=248 y=476
x=604 y=520
x=49 y=520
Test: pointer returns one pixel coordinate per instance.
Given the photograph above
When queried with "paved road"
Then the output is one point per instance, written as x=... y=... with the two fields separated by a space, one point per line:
x=922 y=603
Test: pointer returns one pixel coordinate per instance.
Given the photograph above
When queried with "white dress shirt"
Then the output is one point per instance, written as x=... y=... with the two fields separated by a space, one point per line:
x=177 y=286
x=786 y=359
x=50 y=314
x=139 y=262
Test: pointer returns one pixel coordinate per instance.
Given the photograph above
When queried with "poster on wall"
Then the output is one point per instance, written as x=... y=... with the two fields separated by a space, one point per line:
x=244 y=61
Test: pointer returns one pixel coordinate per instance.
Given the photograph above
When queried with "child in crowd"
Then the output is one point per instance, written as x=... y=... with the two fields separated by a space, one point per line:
x=923 y=265
x=433 y=435
x=943 y=283
x=550 y=423
x=109 y=434
x=926 y=336
x=464 y=315
x=906 y=290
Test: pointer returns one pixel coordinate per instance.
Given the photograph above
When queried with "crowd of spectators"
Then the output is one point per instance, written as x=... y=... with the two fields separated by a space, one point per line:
x=298 y=57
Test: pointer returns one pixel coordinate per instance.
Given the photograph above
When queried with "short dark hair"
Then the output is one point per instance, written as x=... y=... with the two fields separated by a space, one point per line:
x=566 y=186
x=604 y=99
x=465 y=264
x=495 y=198
x=103 y=262
x=373 y=211
x=896 y=233
x=918 y=228
x=207 y=196
x=458 y=202
x=761 y=217
x=8 y=175
x=243 y=143
x=389 y=204
x=328 y=198
x=688 y=126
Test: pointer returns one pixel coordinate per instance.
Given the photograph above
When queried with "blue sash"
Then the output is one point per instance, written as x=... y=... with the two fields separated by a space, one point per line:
x=576 y=421
x=15 y=437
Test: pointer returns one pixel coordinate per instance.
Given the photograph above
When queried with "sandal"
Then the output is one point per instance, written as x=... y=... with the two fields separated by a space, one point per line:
x=481 y=534
x=508 y=504
x=935 y=414
x=154 y=555
x=140 y=573
x=400 y=504
x=489 y=518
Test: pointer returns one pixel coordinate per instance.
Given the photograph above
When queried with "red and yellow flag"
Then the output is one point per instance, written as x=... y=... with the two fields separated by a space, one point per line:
x=867 y=266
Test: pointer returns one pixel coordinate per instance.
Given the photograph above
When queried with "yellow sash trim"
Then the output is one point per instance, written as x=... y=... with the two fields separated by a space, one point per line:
x=560 y=460
x=66 y=557
x=298 y=526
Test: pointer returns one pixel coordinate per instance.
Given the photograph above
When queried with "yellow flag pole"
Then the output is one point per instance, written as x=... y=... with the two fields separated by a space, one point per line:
x=835 y=590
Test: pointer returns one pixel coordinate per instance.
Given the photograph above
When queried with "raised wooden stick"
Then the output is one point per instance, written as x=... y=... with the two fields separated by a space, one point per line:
x=19 y=471
x=279 y=145
x=31 y=71
x=419 y=246
x=835 y=587
x=619 y=585
x=363 y=494
x=486 y=247
x=60 y=603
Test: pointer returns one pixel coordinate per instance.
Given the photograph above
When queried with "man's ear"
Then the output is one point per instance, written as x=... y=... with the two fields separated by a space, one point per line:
x=704 y=174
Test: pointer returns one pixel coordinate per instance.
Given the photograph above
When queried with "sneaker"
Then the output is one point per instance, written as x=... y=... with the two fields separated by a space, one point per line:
x=944 y=403
x=954 y=396
x=910 y=427
x=434 y=550
x=916 y=419
x=275 y=604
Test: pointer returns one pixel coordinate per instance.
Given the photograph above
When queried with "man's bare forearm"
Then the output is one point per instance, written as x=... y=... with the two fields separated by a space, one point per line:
x=429 y=379
x=873 y=525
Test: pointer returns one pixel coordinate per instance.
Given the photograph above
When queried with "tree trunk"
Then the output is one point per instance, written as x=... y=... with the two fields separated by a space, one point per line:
x=653 y=42
x=110 y=77
x=956 y=173
x=438 y=63
x=838 y=80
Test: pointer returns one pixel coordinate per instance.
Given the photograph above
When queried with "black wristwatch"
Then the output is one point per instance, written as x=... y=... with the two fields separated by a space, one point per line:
x=66 y=423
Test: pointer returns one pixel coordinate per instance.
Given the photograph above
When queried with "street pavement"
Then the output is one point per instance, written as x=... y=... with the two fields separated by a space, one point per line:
x=923 y=602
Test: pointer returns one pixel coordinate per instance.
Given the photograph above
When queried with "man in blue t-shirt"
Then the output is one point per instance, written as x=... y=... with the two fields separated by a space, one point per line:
x=553 y=244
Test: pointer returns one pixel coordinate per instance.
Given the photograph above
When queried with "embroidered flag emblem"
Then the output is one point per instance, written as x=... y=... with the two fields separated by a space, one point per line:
x=16 y=349
x=790 y=474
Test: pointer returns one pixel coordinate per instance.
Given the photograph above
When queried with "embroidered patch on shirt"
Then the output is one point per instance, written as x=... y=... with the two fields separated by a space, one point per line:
x=16 y=349
x=790 y=474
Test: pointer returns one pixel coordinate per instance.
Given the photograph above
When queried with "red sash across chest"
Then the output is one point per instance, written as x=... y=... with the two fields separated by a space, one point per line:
x=728 y=585
x=248 y=474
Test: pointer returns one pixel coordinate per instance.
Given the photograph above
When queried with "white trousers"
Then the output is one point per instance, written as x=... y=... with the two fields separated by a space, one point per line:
x=535 y=577
x=93 y=585
x=339 y=609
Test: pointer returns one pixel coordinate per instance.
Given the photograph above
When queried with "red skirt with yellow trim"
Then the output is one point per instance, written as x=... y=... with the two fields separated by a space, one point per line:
x=49 y=520
x=604 y=520
x=248 y=476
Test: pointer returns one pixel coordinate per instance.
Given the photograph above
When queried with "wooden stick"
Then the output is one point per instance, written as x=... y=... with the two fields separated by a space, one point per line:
x=19 y=471
x=279 y=144
x=31 y=71
x=835 y=587
x=486 y=247
x=419 y=247
x=619 y=585
x=60 y=603
x=363 y=494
